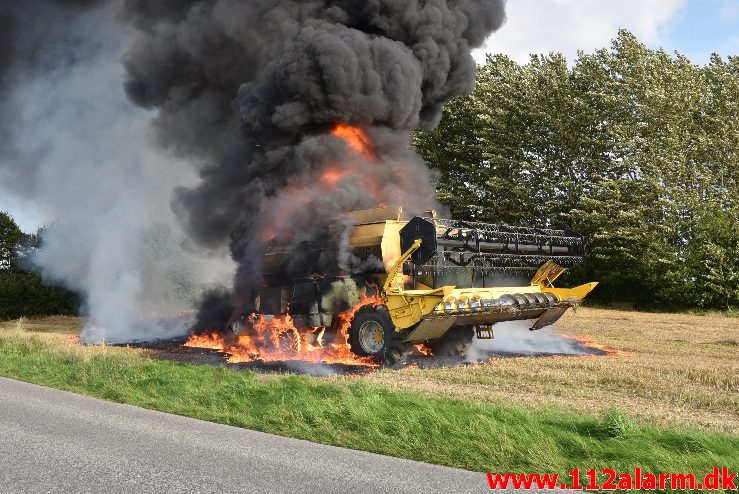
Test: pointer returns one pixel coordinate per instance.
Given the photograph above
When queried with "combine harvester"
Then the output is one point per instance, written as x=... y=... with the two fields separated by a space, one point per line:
x=435 y=281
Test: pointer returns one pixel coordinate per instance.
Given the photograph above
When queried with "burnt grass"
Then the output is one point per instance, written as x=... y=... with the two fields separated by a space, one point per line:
x=174 y=350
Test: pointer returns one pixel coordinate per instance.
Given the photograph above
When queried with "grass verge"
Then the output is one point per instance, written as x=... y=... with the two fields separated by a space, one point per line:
x=367 y=416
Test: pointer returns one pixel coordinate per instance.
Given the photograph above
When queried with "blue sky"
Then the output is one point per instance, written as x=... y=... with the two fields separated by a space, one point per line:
x=705 y=26
x=693 y=27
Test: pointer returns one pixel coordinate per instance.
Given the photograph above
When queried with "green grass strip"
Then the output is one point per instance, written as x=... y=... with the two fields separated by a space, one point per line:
x=371 y=418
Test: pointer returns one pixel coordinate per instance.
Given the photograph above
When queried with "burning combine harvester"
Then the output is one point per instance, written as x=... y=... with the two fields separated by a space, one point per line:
x=435 y=282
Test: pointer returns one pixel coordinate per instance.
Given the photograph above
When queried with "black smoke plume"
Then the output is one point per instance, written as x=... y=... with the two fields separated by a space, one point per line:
x=249 y=93
x=34 y=35
x=77 y=156
x=251 y=90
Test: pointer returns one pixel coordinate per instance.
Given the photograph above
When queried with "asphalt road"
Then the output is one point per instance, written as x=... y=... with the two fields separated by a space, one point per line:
x=52 y=441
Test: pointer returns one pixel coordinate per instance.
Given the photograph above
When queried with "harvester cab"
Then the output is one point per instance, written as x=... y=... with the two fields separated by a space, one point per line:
x=439 y=282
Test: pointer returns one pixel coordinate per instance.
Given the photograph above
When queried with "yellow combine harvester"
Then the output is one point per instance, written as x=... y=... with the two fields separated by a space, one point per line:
x=434 y=281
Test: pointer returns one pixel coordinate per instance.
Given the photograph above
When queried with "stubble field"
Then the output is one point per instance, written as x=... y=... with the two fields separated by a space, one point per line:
x=669 y=369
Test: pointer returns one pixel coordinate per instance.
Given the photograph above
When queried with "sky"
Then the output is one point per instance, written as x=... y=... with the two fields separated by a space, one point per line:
x=695 y=28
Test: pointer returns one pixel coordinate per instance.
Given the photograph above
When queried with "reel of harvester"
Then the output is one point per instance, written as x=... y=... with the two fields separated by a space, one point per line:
x=450 y=244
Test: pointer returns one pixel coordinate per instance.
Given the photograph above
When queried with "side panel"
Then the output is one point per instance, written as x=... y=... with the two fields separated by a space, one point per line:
x=338 y=295
x=305 y=299
x=430 y=329
x=271 y=300
x=311 y=302
x=549 y=317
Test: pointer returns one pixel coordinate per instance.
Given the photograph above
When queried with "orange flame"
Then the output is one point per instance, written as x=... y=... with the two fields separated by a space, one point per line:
x=360 y=143
x=332 y=175
x=355 y=138
x=212 y=341
x=421 y=350
x=278 y=339
x=590 y=343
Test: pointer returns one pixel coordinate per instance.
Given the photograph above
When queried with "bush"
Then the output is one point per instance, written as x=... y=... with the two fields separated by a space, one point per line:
x=25 y=294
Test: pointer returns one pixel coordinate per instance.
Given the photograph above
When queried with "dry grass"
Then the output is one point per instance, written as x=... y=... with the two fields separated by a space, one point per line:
x=57 y=337
x=681 y=370
x=49 y=324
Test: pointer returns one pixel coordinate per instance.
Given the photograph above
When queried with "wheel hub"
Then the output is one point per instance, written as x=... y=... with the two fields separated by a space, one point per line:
x=371 y=337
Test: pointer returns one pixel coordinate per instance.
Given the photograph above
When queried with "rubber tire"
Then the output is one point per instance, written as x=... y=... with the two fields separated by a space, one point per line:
x=397 y=352
x=454 y=343
x=394 y=351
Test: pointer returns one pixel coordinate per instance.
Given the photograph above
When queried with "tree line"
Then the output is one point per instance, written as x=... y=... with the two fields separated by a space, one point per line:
x=22 y=290
x=634 y=148
x=171 y=281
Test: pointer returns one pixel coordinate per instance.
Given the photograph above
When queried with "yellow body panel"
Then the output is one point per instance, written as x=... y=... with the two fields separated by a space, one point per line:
x=407 y=309
x=576 y=294
x=410 y=307
x=377 y=232
x=548 y=274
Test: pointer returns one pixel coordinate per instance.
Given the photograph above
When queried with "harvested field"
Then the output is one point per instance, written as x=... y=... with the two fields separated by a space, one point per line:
x=679 y=369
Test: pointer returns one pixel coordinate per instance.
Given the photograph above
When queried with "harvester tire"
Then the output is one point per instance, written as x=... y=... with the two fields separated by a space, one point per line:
x=372 y=334
x=396 y=353
x=454 y=343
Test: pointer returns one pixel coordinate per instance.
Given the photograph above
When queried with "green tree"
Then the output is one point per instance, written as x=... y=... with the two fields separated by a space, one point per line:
x=628 y=145
x=713 y=256
x=10 y=236
x=23 y=292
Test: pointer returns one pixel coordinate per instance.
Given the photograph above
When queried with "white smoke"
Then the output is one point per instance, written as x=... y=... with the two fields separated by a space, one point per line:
x=513 y=338
x=106 y=188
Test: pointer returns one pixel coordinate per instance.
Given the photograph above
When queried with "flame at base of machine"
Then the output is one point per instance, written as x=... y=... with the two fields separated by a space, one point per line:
x=278 y=339
x=592 y=344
